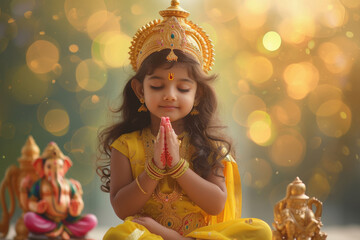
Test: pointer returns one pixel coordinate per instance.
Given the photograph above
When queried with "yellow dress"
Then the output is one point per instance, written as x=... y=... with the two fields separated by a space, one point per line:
x=172 y=208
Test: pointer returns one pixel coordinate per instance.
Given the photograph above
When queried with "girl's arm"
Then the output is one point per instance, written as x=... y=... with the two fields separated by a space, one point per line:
x=209 y=194
x=125 y=195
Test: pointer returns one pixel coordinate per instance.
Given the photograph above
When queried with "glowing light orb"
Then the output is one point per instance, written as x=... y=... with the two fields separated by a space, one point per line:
x=272 y=41
x=41 y=56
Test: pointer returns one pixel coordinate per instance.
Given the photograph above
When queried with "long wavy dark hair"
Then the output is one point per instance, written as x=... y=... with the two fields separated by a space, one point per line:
x=204 y=129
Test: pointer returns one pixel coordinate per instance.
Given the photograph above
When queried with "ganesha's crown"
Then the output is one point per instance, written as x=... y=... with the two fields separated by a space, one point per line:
x=173 y=32
x=52 y=151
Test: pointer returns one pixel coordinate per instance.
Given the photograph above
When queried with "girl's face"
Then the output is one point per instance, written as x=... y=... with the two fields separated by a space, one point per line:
x=169 y=92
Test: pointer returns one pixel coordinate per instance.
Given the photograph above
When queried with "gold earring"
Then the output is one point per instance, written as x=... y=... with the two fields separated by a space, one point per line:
x=194 y=111
x=142 y=108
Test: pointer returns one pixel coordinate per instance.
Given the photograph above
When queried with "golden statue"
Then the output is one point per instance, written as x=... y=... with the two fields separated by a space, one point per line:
x=294 y=217
x=14 y=176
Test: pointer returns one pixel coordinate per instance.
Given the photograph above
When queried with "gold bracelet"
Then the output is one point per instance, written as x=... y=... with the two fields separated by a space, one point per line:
x=138 y=183
x=177 y=166
x=181 y=170
x=153 y=171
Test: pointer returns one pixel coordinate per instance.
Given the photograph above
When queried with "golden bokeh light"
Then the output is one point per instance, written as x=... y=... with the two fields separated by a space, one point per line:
x=300 y=78
x=111 y=48
x=56 y=109
x=258 y=173
x=338 y=55
x=318 y=185
x=78 y=12
x=57 y=121
x=254 y=75
x=102 y=21
x=27 y=88
x=244 y=106
x=322 y=94
x=297 y=30
x=243 y=86
x=73 y=48
x=287 y=112
x=90 y=75
x=260 y=127
x=334 y=118
x=288 y=149
x=251 y=19
x=223 y=12
x=271 y=41
x=28 y=14
x=41 y=56
x=333 y=13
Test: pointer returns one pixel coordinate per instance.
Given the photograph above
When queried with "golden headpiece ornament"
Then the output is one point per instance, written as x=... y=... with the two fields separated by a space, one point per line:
x=173 y=32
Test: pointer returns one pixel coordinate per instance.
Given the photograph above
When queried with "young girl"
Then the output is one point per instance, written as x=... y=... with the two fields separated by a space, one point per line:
x=171 y=174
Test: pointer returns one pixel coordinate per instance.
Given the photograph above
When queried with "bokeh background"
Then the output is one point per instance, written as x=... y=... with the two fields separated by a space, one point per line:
x=288 y=87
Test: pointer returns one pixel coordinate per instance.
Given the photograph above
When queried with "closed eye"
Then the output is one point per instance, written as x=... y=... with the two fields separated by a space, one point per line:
x=183 y=90
x=156 y=87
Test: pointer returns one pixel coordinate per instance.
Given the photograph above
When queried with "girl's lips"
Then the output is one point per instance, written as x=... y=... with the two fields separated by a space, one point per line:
x=170 y=107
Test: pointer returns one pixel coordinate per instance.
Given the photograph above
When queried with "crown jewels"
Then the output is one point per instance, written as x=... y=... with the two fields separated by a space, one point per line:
x=173 y=32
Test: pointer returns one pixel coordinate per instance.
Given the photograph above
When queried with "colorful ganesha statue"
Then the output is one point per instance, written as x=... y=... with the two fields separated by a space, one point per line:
x=54 y=203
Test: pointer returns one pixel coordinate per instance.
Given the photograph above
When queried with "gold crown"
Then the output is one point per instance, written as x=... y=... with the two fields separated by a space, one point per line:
x=173 y=32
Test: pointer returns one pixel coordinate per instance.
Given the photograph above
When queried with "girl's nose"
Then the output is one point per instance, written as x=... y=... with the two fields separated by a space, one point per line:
x=170 y=95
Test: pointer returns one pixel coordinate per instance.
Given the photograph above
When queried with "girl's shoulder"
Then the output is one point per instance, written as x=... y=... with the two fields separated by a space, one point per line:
x=127 y=139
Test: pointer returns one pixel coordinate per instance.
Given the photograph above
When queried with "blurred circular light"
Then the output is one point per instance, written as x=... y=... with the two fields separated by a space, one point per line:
x=253 y=73
x=41 y=56
x=288 y=149
x=318 y=185
x=73 y=48
x=322 y=94
x=272 y=41
x=223 y=12
x=90 y=75
x=111 y=48
x=287 y=112
x=57 y=121
x=301 y=78
x=244 y=106
x=78 y=12
x=260 y=127
x=102 y=21
x=334 y=118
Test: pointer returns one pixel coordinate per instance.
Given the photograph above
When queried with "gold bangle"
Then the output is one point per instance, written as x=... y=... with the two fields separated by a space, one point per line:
x=181 y=170
x=138 y=183
x=177 y=166
x=153 y=171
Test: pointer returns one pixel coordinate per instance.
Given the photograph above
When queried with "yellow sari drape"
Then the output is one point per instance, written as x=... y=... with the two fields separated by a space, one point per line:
x=181 y=214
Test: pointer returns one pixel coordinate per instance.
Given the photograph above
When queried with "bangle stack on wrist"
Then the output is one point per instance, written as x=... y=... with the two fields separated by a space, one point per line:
x=179 y=169
x=153 y=171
